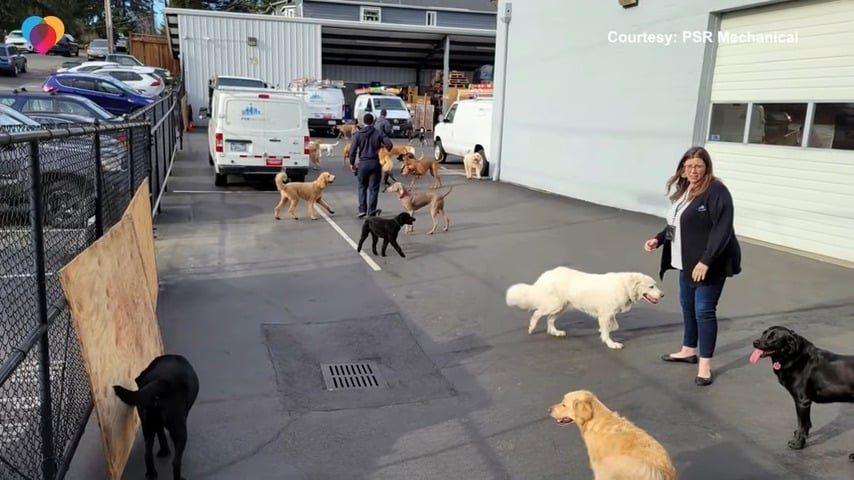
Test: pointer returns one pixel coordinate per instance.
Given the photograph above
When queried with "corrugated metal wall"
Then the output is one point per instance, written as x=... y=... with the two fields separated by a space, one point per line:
x=362 y=74
x=218 y=46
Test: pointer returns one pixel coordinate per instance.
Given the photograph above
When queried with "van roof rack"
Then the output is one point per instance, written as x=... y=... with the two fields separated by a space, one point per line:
x=302 y=83
x=377 y=90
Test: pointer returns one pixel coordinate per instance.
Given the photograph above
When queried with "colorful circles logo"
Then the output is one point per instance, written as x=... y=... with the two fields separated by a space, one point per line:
x=43 y=33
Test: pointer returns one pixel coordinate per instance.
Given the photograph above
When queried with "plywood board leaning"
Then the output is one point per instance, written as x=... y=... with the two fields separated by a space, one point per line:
x=112 y=314
x=140 y=210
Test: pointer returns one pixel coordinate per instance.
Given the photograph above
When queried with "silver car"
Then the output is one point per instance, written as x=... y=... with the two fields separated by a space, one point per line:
x=97 y=49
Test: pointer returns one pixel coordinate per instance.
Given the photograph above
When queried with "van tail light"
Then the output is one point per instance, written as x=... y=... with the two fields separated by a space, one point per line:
x=306 y=145
x=218 y=144
x=48 y=88
x=155 y=83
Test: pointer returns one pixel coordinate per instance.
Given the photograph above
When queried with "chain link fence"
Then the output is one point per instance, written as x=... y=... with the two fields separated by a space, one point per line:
x=60 y=190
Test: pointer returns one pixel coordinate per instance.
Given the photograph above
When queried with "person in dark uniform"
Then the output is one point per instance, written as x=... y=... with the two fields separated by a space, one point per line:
x=383 y=124
x=367 y=142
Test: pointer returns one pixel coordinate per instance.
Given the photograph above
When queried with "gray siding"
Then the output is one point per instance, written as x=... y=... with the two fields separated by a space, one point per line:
x=397 y=15
x=466 y=20
x=330 y=11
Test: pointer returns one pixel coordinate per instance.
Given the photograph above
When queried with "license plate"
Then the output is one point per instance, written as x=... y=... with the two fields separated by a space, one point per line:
x=396 y=127
x=238 y=147
x=331 y=122
x=274 y=163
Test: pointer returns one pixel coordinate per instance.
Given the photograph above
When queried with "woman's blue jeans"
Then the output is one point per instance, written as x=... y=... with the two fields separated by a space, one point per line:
x=699 y=312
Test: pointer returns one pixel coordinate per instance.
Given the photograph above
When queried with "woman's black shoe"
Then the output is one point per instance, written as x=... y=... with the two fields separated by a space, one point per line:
x=704 y=382
x=670 y=358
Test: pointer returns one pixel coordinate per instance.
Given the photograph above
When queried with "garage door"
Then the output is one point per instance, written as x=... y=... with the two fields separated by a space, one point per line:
x=781 y=126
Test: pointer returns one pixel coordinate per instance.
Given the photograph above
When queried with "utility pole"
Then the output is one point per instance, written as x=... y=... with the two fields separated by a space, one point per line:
x=108 y=20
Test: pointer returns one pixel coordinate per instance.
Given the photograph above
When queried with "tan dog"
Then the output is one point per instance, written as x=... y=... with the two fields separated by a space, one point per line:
x=346 y=154
x=311 y=192
x=397 y=150
x=617 y=448
x=472 y=162
x=412 y=201
x=418 y=168
x=347 y=130
x=314 y=154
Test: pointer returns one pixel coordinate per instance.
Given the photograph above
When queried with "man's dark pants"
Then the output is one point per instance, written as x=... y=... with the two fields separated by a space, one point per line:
x=368 y=174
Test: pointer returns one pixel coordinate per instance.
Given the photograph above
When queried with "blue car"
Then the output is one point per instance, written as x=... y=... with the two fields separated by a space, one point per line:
x=114 y=95
x=11 y=60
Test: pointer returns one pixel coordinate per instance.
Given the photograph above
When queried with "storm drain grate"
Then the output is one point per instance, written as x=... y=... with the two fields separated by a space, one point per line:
x=351 y=376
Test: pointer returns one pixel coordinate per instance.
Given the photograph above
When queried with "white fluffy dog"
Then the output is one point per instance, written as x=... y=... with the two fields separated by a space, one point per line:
x=600 y=295
x=472 y=162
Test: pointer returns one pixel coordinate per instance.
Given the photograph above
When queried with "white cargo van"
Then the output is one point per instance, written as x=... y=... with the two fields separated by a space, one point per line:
x=325 y=108
x=397 y=113
x=256 y=131
x=466 y=127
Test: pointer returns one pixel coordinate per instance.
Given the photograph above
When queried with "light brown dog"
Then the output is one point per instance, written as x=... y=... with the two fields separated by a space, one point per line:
x=311 y=192
x=346 y=154
x=314 y=153
x=472 y=162
x=417 y=168
x=617 y=448
x=347 y=130
x=412 y=201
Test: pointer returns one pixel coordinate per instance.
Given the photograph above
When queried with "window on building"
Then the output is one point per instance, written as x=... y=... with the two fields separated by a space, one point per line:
x=727 y=122
x=371 y=14
x=431 y=19
x=777 y=123
x=833 y=126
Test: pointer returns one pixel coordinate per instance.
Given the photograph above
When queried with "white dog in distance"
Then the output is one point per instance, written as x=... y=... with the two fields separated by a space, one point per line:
x=600 y=295
x=326 y=148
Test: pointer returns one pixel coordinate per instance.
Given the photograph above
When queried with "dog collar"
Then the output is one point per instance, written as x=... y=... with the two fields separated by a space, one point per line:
x=405 y=193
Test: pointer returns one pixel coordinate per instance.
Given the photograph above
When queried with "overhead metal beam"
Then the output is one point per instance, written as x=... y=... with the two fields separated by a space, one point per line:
x=392 y=39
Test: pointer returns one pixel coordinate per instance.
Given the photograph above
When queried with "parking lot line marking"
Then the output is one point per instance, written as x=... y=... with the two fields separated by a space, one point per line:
x=370 y=261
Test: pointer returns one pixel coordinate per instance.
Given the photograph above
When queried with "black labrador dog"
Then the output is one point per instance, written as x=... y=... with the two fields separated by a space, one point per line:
x=810 y=374
x=167 y=389
x=387 y=228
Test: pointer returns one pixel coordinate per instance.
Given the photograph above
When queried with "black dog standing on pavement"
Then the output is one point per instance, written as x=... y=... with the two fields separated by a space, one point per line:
x=168 y=387
x=810 y=374
x=387 y=228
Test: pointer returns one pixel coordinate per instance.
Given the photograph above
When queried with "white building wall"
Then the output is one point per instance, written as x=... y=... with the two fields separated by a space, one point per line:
x=216 y=45
x=595 y=119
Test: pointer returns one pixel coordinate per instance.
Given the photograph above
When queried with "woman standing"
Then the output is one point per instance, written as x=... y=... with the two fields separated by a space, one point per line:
x=699 y=241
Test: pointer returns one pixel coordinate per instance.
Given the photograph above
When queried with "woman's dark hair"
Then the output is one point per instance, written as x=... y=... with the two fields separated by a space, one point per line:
x=680 y=179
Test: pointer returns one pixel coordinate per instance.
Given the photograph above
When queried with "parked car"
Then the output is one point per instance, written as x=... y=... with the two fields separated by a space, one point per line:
x=147 y=83
x=122 y=44
x=97 y=49
x=131 y=61
x=16 y=38
x=66 y=46
x=87 y=66
x=466 y=127
x=114 y=147
x=43 y=102
x=115 y=96
x=69 y=191
x=12 y=61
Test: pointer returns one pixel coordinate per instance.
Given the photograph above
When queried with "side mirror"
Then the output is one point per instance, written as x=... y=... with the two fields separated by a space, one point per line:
x=204 y=113
x=441 y=118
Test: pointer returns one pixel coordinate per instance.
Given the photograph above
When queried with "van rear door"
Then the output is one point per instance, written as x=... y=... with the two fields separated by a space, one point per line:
x=325 y=104
x=264 y=129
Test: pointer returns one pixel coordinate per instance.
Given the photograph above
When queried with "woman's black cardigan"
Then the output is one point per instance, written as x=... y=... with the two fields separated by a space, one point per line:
x=708 y=236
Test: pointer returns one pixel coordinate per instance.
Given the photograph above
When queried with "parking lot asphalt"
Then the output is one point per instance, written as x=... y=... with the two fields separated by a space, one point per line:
x=257 y=305
x=39 y=67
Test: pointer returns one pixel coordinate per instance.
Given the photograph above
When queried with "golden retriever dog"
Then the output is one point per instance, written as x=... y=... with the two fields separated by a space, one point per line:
x=599 y=295
x=346 y=154
x=412 y=201
x=618 y=449
x=472 y=162
x=314 y=154
x=311 y=192
x=417 y=168
x=346 y=130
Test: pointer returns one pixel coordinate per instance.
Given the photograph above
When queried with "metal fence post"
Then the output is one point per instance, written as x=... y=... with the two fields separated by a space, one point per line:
x=99 y=186
x=131 y=162
x=37 y=224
